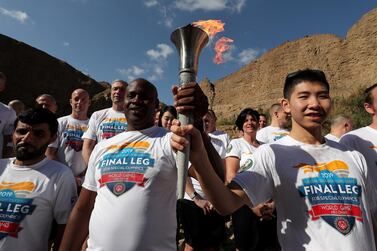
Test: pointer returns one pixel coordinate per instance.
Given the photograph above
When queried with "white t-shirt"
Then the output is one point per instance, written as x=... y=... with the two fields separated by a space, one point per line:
x=364 y=140
x=219 y=146
x=69 y=143
x=104 y=124
x=7 y=118
x=271 y=134
x=224 y=137
x=30 y=198
x=135 y=177
x=322 y=193
x=242 y=150
x=329 y=136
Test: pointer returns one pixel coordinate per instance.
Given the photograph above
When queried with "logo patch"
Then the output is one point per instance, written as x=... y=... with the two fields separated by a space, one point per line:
x=124 y=167
x=14 y=207
x=112 y=126
x=333 y=196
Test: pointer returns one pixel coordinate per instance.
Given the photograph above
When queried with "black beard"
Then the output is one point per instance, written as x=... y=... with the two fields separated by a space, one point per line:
x=23 y=154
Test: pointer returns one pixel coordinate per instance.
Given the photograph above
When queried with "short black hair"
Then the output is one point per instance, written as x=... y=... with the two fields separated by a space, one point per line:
x=167 y=108
x=34 y=116
x=242 y=117
x=299 y=76
x=368 y=94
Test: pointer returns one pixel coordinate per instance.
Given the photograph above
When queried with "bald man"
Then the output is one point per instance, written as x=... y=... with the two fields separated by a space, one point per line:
x=68 y=145
x=47 y=101
x=276 y=130
x=340 y=125
x=17 y=105
x=7 y=117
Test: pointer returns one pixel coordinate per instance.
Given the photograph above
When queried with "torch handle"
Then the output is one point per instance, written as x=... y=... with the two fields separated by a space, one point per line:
x=184 y=155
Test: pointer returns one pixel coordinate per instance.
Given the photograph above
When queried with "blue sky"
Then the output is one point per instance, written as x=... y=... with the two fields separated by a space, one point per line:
x=116 y=39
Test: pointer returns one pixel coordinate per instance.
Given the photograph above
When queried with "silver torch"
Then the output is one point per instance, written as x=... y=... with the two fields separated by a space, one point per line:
x=189 y=41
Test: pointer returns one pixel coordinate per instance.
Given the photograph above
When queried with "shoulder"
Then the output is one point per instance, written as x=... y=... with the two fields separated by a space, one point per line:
x=7 y=111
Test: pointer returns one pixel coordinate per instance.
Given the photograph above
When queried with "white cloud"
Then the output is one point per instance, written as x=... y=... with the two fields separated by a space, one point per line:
x=16 y=14
x=66 y=44
x=248 y=55
x=150 y=3
x=132 y=72
x=161 y=53
x=209 y=5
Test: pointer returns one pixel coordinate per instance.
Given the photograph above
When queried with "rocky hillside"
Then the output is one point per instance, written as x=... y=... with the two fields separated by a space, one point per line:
x=348 y=62
x=31 y=72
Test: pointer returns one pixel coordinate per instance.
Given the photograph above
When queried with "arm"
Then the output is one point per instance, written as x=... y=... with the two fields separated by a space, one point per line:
x=87 y=149
x=198 y=200
x=225 y=199
x=78 y=223
x=232 y=166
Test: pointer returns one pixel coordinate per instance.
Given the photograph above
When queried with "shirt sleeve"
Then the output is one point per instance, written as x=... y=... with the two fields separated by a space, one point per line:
x=261 y=136
x=90 y=133
x=9 y=123
x=233 y=150
x=66 y=196
x=90 y=181
x=257 y=182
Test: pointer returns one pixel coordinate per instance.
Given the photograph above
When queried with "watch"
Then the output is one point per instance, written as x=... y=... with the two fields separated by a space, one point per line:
x=194 y=194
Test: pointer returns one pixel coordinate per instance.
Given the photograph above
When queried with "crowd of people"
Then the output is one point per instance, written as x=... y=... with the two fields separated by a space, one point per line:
x=109 y=181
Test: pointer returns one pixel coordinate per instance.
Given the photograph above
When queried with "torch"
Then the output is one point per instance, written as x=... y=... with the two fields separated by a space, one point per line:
x=189 y=41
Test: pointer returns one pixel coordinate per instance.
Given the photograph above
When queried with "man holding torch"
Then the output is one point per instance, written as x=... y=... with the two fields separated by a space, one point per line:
x=129 y=192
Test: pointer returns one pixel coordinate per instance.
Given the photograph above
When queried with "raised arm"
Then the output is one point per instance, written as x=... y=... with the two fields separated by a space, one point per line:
x=226 y=199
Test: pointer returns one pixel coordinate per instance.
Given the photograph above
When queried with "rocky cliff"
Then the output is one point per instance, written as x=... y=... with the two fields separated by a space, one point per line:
x=348 y=62
x=31 y=72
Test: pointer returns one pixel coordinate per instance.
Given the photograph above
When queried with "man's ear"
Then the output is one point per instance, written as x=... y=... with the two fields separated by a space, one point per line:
x=157 y=104
x=285 y=105
x=369 y=108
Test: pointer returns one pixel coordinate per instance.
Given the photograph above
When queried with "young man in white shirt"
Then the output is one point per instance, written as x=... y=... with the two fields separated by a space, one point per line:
x=323 y=191
x=34 y=190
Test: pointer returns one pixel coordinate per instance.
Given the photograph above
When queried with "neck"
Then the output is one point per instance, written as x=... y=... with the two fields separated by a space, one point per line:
x=135 y=127
x=118 y=106
x=29 y=162
x=79 y=116
x=336 y=133
x=313 y=137
x=251 y=138
x=374 y=122
x=274 y=123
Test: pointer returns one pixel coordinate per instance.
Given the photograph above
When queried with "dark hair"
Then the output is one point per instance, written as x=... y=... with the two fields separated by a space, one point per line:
x=212 y=113
x=368 y=94
x=38 y=116
x=167 y=108
x=242 y=117
x=297 y=77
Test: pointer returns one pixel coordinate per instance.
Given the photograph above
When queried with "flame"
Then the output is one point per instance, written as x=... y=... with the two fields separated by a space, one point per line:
x=221 y=46
x=211 y=26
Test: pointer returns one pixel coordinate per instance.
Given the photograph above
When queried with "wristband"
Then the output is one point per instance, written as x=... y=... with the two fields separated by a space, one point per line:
x=194 y=195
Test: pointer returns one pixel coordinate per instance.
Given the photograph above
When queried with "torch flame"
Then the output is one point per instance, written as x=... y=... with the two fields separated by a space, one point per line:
x=211 y=27
x=221 y=46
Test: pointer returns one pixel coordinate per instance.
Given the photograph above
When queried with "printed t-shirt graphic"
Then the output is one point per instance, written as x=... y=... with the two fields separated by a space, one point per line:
x=124 y=166
x=73 y=135
x=333 y=195
x=14 y=207
x=105 y=124
x=112 y=126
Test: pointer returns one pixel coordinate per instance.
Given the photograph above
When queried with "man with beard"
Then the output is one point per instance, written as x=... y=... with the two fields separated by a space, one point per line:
x=33 y=189
x=68 y=145
x=129 y=192
x=106 y=123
